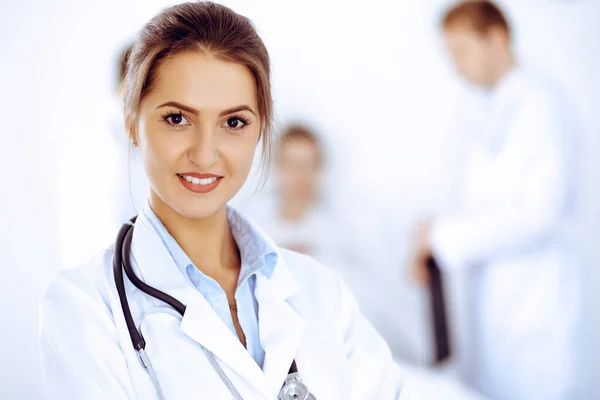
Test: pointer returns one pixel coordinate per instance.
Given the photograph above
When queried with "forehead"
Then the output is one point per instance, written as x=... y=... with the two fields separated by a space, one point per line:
x=203 y=81
x=298 y=147
x=462 y=33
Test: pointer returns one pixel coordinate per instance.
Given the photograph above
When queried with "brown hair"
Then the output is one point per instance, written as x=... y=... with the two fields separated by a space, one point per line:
x=205 y=27
x=479 y=15
x=298 y=131
x=122 y=66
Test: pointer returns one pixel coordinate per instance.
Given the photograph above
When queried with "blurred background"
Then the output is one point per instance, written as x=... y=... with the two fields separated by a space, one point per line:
x=372 y=81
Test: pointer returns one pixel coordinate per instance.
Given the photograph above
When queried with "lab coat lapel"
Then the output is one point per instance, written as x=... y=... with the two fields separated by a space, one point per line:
x=281 y=327
x=200 y=322
x=203 y=325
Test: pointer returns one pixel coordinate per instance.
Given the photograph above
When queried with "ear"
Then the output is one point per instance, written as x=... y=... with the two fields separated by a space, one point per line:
x=133 y=137
x=131 y=132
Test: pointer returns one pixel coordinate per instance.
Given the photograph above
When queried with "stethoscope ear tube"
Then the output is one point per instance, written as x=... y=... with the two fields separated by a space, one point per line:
x=122 y=261
x=136 y=338
x=141 y=285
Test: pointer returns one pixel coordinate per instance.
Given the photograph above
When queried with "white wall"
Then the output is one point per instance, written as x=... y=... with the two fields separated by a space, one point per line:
x=372 y=77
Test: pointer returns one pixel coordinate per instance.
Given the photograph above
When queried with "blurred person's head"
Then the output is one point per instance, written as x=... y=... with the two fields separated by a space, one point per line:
x=197 y=101
x=478 y=38
x=299 y=163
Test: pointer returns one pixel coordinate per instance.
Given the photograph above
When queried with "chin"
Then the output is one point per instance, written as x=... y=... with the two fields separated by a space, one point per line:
x=191 y=206
x=200 y=209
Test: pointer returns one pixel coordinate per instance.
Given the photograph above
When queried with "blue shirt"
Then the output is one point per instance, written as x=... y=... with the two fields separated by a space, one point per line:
x=257 y=254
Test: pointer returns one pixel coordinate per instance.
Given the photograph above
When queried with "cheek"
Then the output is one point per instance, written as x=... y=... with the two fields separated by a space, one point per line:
x=158 y=149
x=238 y=151
x=471 y=65
x=479 y=67
x=463 y=62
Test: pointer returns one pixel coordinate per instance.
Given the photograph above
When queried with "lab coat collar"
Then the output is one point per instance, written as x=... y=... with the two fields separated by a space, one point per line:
x=281 y=327
x=501 y=106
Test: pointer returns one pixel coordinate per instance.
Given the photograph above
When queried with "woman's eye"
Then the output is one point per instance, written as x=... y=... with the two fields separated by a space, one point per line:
x=176 y=119
x=235 y=123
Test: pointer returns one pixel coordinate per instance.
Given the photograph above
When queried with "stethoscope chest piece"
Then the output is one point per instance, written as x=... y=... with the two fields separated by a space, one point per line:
x=294 y=389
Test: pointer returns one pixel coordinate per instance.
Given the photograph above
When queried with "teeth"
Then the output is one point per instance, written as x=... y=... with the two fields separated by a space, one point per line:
x=207 y=181
x=198 y=181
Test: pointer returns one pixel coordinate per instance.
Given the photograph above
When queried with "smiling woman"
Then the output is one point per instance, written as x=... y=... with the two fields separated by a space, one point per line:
x=197 y=131
x=217 y=301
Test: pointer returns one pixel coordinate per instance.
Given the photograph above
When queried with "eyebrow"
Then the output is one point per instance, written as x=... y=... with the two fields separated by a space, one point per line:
x=192 y=110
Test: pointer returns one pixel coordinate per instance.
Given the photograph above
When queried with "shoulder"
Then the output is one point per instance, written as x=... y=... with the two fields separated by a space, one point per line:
x=303 y=266
x=78 y=288
x=541 y=91
x=544 y=112
x=312 y=276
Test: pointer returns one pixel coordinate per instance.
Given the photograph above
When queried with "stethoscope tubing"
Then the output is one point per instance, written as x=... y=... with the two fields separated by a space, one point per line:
x=122 y=262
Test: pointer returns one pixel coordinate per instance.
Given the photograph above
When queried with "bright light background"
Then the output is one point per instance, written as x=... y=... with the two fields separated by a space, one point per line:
x=371 y=76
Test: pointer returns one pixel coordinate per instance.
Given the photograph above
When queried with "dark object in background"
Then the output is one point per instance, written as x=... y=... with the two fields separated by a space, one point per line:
x=438 y=312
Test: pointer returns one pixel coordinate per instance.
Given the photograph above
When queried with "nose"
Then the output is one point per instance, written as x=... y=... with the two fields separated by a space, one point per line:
x=204 y=149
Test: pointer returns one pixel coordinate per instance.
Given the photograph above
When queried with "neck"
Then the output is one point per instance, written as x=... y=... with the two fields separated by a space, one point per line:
x=208 y=242
x=294 y=207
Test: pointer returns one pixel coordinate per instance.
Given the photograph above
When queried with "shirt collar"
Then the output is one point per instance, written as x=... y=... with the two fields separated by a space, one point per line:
x=258 y=252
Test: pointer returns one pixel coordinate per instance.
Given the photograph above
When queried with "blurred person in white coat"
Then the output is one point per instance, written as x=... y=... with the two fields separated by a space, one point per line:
x=514 y=229
x=211 y=308
x=299 y=217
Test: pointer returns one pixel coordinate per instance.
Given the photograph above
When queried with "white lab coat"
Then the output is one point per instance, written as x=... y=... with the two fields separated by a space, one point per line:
x=514 y=234
x=305 y=312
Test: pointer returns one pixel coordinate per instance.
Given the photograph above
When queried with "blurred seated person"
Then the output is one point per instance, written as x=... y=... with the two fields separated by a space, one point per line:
x=296 y=218
x=301 y=213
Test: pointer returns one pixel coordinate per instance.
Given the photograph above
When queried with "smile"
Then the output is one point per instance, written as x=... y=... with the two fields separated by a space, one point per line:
x=199 y=184
x=199 y=181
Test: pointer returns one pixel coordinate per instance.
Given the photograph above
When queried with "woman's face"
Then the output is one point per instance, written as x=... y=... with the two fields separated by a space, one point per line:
x=298 y=168
x=197 y=130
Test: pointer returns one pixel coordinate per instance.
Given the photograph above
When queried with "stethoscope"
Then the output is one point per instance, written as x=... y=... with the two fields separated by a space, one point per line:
x=293 y=388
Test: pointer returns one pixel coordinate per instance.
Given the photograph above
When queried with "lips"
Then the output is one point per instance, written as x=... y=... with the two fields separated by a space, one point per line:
x=199 y=183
